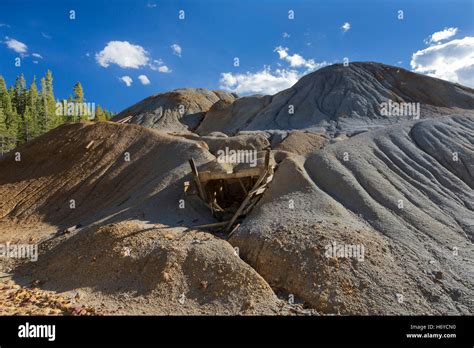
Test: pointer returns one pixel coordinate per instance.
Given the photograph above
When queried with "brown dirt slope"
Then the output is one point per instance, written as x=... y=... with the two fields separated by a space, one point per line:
x=135 y=268
x=124 y=167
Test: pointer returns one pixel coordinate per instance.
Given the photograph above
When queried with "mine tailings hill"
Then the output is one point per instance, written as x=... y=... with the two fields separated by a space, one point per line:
x=348 y=98
x=398 y=196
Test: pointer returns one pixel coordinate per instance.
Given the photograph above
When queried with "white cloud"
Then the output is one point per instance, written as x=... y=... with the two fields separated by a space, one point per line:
x=268 y=81
x=158 y=65
x=144 y=79
x=151 y=5
x=286 y=35
x=164 y=69
x=122 y=53
x=127 y=80
x=452 y=61
x=297 y=61
x=176 y=49
x=439 y=36
x=346 y=26
x=4 y=25
x=15 y=45
x=282 y=52
x=35 y=62
x=46 y=36
x=37 y=55
x=261 y=82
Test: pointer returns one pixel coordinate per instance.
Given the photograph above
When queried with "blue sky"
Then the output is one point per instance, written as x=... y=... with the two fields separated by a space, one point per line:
x=114 y=43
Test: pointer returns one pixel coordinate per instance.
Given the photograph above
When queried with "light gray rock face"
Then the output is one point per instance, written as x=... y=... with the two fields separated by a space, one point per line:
x=404 y=192
x=337 y=97
x=179 y=110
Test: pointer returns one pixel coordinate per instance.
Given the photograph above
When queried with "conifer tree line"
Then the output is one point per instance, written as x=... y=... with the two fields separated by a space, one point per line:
x=28 y=111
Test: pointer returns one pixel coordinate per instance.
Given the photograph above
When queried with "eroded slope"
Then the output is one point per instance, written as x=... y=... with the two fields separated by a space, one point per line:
x=398 y=193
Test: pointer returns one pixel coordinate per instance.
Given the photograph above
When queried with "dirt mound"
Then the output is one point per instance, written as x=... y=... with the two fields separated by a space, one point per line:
x=78 y=174
x=153 y=269
x=178 y=110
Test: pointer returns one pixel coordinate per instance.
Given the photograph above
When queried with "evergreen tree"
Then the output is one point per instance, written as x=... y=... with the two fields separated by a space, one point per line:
x=11 y=93
x=53 y=120
x=33 y=105
x=4 y=95
x=79 y=100
x=78 y=93
x=100 y=115
x=13 y=125
x=66 y=116
x=19 y=101
x=3 y=125
x=6 y=105
x=3 y=133
x=26 y=126
x=15 y=117
x=20 y=95
x=43 y=108
x=28 y=113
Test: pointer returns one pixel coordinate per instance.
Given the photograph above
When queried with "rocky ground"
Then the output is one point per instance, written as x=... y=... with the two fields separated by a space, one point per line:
x=17 y=299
